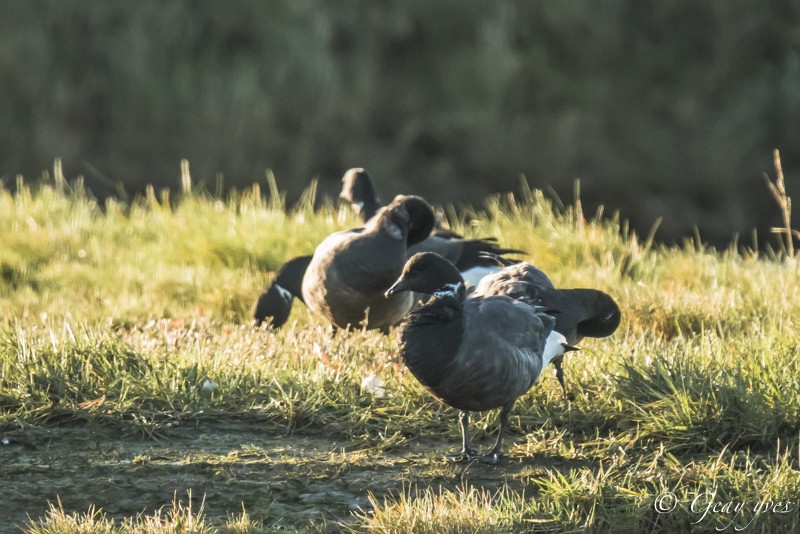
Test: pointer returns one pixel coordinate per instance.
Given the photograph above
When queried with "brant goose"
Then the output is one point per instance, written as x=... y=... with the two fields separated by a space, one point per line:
x=465 y=254
x=350 y=271
x=476 y=353
x=357 y=189
x=275 y=303
x=581 y=312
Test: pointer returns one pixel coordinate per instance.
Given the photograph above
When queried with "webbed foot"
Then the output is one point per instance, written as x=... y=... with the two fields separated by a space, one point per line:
x=491 y=458
x=465 y=454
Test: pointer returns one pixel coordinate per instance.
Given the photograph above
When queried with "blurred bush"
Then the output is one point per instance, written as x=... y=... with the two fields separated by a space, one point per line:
x=668 y=109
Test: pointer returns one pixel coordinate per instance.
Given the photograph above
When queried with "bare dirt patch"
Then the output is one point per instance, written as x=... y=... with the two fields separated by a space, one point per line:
x=302 y=481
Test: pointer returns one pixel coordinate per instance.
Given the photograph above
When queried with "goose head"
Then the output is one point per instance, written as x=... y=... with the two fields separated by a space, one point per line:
x=429 y=274
x=357 y=189
x=606 y=316
x=407 y=218
x=421 y=217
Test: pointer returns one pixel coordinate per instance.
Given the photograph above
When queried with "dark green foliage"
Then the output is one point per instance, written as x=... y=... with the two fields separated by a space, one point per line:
x=660 y=110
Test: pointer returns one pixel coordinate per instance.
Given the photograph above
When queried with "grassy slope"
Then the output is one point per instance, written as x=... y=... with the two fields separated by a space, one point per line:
x=118 y=315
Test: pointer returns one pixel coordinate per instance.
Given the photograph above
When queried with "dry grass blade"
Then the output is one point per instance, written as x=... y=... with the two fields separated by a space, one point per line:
x=778 y=190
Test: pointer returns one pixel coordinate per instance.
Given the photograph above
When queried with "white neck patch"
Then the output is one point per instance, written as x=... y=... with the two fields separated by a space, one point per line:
x=286 y=295
x=449 y=290
x=393 y=230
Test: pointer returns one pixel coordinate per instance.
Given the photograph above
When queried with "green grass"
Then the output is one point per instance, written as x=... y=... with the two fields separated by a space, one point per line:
x=115 y=316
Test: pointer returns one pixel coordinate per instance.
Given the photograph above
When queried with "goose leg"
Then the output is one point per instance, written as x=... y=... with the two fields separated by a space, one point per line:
x=493 y=456
x=558 y=364
x=466 y=452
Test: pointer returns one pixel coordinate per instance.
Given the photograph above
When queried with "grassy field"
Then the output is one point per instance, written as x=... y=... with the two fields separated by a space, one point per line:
x=135 y=396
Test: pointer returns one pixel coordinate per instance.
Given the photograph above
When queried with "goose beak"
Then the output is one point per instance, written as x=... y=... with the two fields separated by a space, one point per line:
x=398 y=287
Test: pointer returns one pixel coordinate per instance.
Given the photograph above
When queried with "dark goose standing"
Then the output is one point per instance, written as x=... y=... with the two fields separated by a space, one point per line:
x=275 y=304
x=581 y=312
x=465 y=254
x=350 y=271
x=476 y=353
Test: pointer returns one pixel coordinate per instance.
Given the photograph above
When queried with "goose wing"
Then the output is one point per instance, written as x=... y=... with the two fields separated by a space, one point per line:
x=500 y=356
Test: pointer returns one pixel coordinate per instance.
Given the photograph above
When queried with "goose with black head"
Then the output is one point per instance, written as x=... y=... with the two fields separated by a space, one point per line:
x=347 y=276
x=474 y=354
x=465 y=254
x=275 y=304
x=358 y=191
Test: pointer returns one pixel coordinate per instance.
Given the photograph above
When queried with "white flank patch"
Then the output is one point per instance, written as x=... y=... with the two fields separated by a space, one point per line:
x=208 y=386
x=473 y=275
x=449 y=290
x=553 y=347
x=374 y=384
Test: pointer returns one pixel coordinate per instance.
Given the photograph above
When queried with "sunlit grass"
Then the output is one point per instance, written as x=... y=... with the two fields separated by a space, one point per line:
x=180 y=517
x=136 y=316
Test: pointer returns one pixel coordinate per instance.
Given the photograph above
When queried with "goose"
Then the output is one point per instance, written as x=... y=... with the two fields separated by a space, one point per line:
x=357 y=189
x=474 y=354
x=581 y=312
x=275 y=304
x=466 y=254
x=349 y=272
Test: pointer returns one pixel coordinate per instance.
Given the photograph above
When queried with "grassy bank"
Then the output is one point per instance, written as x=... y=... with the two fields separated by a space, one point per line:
x=115 y=317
